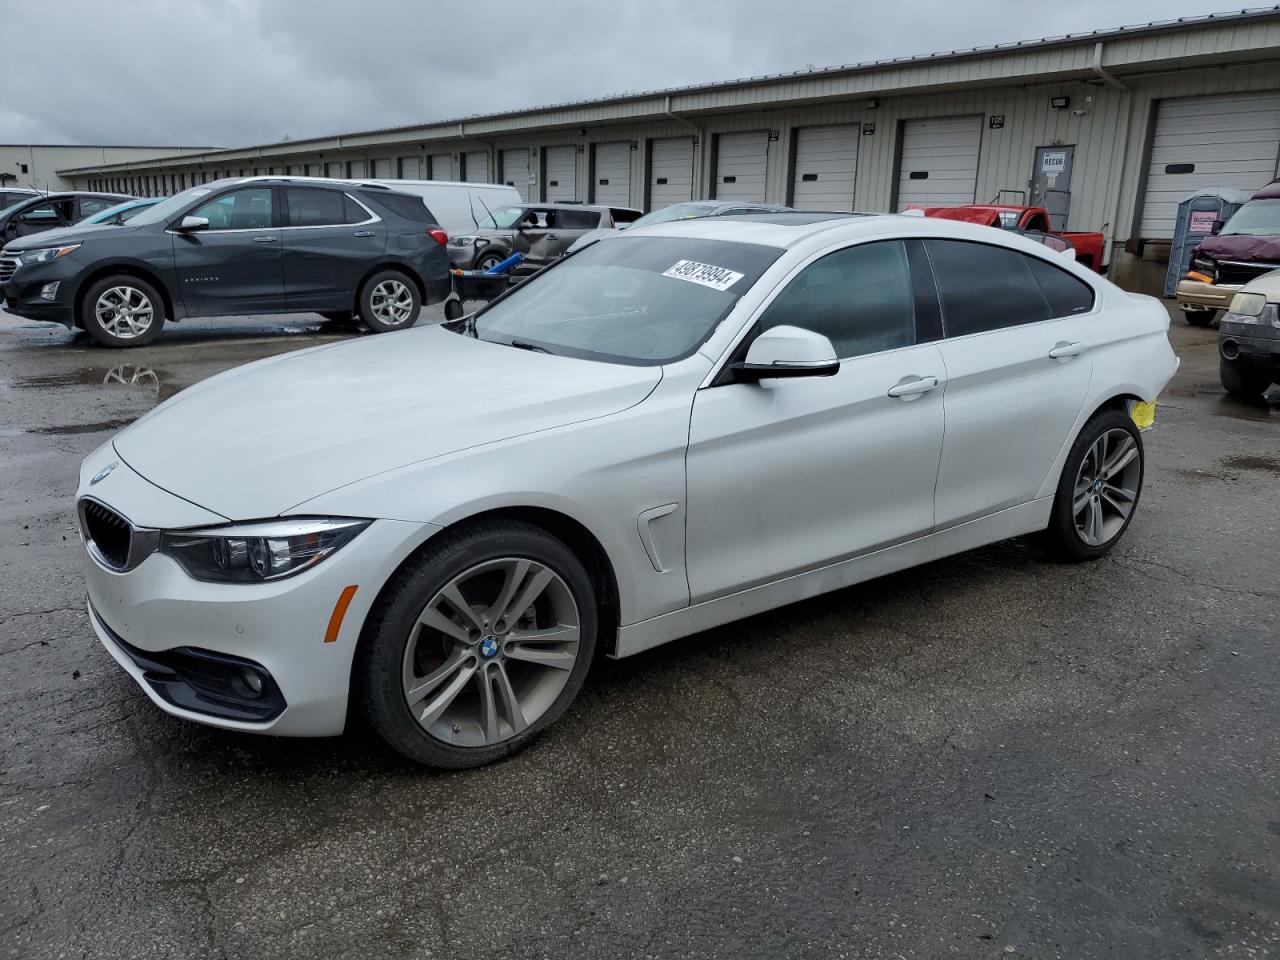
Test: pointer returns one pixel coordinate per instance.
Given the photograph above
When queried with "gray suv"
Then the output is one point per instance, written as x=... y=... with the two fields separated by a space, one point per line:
x=540 y=231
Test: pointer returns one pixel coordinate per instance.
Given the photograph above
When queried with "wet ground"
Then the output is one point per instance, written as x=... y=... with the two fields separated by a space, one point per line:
x=990 y=756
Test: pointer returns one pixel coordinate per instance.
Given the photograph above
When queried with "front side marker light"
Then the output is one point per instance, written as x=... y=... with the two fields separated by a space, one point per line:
x=339 y=612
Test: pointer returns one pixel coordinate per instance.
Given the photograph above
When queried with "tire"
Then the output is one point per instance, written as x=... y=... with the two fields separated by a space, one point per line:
x=453 y=308
x=1072 y=534
x=1242 y=383
x=1199 y=318
x=415 y=639
x=389 y=300
x=122 y=311
x=488 y=260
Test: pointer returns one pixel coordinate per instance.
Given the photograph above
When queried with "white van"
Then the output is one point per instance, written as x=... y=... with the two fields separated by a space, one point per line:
x=458 y=207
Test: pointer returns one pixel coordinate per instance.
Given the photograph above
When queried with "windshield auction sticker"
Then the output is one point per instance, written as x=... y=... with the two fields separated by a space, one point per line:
x=717 y=278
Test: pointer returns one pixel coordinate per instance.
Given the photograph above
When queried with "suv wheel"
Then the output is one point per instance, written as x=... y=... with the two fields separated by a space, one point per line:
x=1199 y=318
x=389 y=301
x=488 y=261
x=122 y=311
x=1243 y=383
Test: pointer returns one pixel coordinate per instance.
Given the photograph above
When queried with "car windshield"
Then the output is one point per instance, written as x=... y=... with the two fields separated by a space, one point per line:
x=634 y=300
x=677 y=211
x=1257 y=218
x=167 y=209
x=504 y=218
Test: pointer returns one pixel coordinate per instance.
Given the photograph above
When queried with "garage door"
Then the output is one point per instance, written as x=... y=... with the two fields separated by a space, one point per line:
x=381 y=168
x=1222 y=141
x=562 y=172
x=475 y=166
x=826 y=160
x=939 y=162
x=612 y=183
x=741 y=162
x=440 y=166
x=670 y=172
x=515 y=170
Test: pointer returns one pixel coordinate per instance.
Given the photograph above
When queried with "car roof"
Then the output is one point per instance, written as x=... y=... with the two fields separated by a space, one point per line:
x=816 y=231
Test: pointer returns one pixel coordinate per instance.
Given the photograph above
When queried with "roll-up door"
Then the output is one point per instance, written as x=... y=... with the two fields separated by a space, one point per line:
x=562 y=172
x=515 y=170
x=383 y=168
x=742 y=159
x=440 y=166
x=1229 y=140
x=826 y=162
x=939 y=166
x=475 y=166
x=408 y=168
x=611 y=178
x=670 y=172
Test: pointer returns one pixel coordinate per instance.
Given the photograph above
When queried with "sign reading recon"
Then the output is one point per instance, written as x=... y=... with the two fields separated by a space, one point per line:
x=1106 y=128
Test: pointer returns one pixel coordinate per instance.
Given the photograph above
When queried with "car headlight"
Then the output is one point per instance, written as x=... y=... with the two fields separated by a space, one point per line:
x=461 y=241
x=257 y=552
x=45 y=254
x=1248 y=304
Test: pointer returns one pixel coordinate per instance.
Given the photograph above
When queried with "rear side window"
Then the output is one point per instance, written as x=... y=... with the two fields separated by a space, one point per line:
x=577 y=219
x=1066 y=294
x=401 y=204
x=623 y=215
x=982 y=287
x=321 y=208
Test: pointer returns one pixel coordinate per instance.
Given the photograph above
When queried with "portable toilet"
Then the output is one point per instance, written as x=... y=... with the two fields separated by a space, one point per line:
x=1196 y=214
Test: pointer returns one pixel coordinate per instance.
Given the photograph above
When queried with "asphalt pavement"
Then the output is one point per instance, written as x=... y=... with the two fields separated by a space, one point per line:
x=990 y=756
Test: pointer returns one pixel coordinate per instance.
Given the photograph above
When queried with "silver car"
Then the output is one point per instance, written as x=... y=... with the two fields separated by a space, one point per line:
x=540 y=231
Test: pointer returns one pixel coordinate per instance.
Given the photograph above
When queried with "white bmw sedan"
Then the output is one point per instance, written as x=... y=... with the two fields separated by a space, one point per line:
x=679 y=426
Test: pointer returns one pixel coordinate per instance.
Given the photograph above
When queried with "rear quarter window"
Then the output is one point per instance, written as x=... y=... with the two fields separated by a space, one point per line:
x=1067 y=295
x=401 y=204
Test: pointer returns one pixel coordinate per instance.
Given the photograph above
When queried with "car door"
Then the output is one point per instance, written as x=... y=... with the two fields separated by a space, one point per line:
x=532 y=230
x=329 y=241
x=569 y=226
x=1017 y=373
x=234 y=265
x=49 y=215
x=791 y=474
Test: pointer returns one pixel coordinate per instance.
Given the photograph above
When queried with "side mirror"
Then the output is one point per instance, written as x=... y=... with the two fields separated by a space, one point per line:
x=1217 y=227
x=190 y=224
x=787 y=352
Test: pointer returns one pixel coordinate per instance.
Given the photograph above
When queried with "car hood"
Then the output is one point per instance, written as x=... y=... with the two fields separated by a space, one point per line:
x=63 y=235
x=255 y=441
x=1240 y=247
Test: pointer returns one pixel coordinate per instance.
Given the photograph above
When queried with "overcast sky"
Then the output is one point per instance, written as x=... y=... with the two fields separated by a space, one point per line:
x=239 y=72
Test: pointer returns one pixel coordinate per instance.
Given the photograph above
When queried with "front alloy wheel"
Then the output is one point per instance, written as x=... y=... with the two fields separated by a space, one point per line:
x=491 y=652
x=122 y=311
x=477 y=645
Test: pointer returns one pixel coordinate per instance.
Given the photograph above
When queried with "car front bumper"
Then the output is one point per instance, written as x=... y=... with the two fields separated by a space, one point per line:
x=184 y=640
x=1198 y=295
x=27 y=294
x=1252 y=345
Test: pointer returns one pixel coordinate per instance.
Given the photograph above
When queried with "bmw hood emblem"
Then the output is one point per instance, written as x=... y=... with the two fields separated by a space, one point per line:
x=103 y=473
x=489 y=647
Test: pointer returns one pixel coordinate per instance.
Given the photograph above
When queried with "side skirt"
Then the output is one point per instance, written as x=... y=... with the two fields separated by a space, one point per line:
x=1012 y=522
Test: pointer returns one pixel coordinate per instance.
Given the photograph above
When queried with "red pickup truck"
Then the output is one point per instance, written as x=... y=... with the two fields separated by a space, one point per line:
x=1088 y=245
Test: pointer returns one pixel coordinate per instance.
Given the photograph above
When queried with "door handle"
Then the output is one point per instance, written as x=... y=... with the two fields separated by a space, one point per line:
x=1063 y=350
x=363 y=233
x=264 y=239
x=552 y=236
x=908 y=388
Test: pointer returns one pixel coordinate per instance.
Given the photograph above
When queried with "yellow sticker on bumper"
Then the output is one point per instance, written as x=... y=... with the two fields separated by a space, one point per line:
x=1143 y=414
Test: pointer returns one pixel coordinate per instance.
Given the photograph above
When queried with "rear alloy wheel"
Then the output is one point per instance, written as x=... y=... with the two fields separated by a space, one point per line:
x=1099 y=488
x=389 y=301
x=479 y=646
x=122 y=311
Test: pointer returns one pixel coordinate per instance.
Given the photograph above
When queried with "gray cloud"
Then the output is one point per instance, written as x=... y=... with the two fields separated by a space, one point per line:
x=236 y=72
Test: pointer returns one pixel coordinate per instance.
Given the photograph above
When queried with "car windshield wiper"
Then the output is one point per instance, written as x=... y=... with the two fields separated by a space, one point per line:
x=526 y=345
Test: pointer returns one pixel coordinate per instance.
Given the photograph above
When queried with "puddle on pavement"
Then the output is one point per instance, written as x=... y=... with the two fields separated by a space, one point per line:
x=100 y=427
x=131 y=375
x=1242 y=462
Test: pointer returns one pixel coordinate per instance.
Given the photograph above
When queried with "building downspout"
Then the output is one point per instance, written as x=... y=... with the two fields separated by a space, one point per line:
x=1101 y=71
x=698 y=192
